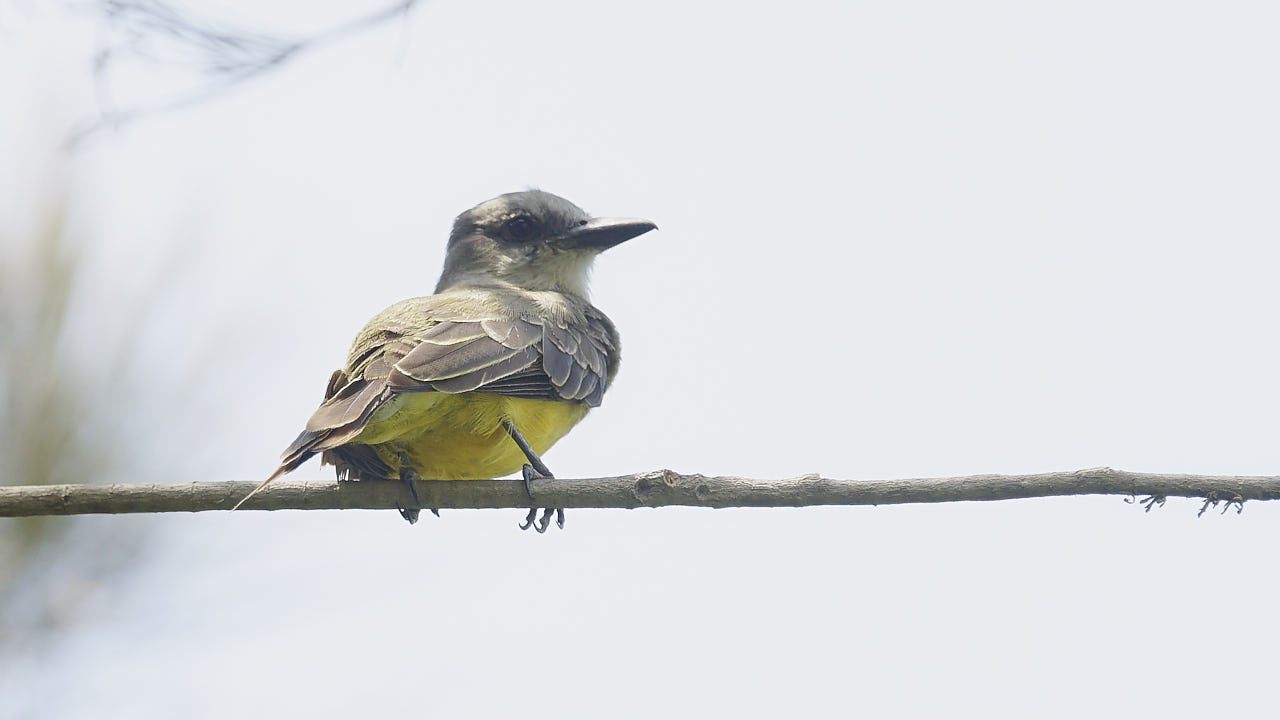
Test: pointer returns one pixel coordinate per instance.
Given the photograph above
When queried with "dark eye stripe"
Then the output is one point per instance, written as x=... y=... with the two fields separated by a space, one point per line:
x=519 y=228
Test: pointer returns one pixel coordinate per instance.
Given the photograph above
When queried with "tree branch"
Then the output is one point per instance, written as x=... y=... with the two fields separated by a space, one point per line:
x=651 y=489
x=228 y=56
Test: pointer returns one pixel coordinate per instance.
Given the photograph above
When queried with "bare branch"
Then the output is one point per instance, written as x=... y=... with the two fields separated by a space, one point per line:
x=651 y=489
x=227 y=56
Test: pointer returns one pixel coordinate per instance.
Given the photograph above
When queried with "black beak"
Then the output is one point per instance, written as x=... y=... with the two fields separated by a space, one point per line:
x=604 y=233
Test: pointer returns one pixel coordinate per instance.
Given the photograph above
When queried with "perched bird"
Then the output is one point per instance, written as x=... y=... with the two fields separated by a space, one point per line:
x=488 y=373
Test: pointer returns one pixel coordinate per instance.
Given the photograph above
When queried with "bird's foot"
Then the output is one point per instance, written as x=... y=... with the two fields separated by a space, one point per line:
x=541 y=524
x=1152 y=501
x=535 y=470
x=1214 y=497
x=409 y=477
x=409 y=514
x=532 y=520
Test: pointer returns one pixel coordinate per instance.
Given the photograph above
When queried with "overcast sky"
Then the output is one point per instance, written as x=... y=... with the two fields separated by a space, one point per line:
x=897 y=239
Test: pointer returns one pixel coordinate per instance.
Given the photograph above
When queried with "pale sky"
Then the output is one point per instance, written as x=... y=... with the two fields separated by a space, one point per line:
x=897 y=239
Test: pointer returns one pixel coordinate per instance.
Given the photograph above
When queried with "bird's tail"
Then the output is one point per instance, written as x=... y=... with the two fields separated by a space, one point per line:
x=284 y=468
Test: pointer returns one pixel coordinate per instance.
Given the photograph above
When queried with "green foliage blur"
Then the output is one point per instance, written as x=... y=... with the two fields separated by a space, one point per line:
x=58 y=424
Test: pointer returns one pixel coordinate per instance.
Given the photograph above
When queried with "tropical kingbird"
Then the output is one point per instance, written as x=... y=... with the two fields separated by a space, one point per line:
x=490 y=371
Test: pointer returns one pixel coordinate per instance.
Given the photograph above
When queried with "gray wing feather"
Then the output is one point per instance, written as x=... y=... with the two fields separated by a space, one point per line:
x=338 y=419
x=512 y=333
x=572 y=387
x=591 y=355
x=532 y=382
x=513 y=357
x=430 y=362
x=561 y=337
x=555 y=361
x=597 y=393
x=590 y=383
x=450 y=333
x=484 y=376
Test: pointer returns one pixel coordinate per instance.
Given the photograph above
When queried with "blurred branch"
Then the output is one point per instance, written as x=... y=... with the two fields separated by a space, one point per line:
x=651 y=489
x=60 y=393
x=227 y=56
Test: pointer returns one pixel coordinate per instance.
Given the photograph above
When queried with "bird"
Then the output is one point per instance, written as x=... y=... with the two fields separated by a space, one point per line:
x=481 y=378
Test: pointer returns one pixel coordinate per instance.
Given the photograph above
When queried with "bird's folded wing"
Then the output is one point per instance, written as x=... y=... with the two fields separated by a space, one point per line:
x=575 y=360
x=455 y=357
x=350 y=399
x=516 y=358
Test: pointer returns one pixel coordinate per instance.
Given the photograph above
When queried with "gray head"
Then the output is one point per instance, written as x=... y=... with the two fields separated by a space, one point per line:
x=531 y=240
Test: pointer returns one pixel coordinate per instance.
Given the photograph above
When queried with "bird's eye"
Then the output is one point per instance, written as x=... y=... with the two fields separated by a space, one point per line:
x=519 y=228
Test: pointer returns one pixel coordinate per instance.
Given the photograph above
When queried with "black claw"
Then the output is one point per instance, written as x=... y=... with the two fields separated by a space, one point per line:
x=545 y=521
x=409 y=476
x=409 y=514
x=528 y=519
x=434 y=511
x=560 y=518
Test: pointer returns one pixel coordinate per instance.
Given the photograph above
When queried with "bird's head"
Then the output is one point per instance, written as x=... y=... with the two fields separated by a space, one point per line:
x=531 y=240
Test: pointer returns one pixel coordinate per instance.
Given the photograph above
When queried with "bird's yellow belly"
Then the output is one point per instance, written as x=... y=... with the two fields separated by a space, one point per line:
x=460 y=437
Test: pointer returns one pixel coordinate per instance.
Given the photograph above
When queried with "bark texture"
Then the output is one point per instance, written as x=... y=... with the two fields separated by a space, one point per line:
x=650 y=489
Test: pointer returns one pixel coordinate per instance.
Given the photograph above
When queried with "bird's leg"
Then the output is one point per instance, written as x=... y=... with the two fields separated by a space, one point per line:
x=535 y=462
x=409 y=476
x=535 y=470
x=529 y=474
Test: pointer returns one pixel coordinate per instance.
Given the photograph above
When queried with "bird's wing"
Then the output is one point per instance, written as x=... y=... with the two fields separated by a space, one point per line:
x=529 y=358
x=542 y=359
x=351 y=398
x=577 y=358
x=461 y=356
x=512 y=357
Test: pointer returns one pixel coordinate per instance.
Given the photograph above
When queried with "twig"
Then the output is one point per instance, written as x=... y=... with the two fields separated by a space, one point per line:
x=651 y=489
x=231 y=57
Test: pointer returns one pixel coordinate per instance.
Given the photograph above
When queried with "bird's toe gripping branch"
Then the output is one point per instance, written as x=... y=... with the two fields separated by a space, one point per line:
x=410 y=477
x=535 y=470
x=532 y=520
x=1213 y=497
